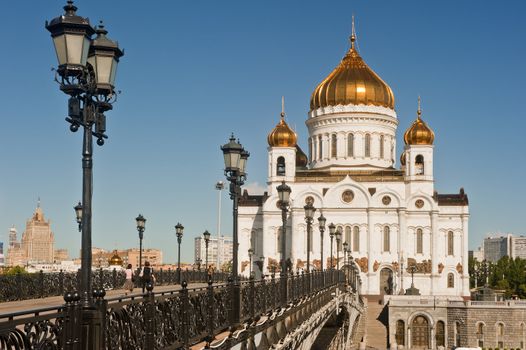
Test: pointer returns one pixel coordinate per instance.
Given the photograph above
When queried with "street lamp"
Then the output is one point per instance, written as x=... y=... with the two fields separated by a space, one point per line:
x=250 y=252
x=321 y=225
x=206 y=236
x=338 y=240
x=141 y=225
x=284 y=197
x=309 y=215
x=179 y=232
x=235 y=157
x=345 y=245
x=86 y=72
x=78 y=214
x=332 y=230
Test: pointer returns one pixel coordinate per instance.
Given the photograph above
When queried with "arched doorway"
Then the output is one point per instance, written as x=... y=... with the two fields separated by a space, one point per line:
x=420 y=333
x=386 y=281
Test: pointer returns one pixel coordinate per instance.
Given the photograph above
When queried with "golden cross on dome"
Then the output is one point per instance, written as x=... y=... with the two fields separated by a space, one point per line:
x=353 y=33
x=419 y=110
x=282 y=106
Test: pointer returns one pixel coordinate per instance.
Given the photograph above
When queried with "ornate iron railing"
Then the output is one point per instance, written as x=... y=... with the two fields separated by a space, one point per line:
x=164 y=320
x=23 y=286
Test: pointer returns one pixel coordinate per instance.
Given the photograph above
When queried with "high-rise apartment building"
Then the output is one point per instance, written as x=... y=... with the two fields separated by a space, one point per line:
x=518 y=247
x=222 y=247
x=497 y=247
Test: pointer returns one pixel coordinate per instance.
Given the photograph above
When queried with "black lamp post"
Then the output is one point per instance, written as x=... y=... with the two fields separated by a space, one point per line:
x=309 y=215
x=250 y=252
x=78 y=214
x=332 y=231
x=345 y=244
x=206 y=236
x=179 y=232
x=86 y=72
x=235 y=158
x=321 y=225
x=338 y=240
x=141 y=225
x=284 y=197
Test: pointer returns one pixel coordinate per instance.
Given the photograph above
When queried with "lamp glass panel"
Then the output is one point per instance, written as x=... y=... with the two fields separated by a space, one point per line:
x=113 y=73
x=60 y=47
x=242 y=163
x=286 y=196
x=103 y=69
x=75 y=49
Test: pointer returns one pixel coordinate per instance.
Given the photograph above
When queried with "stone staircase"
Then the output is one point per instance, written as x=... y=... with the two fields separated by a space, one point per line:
x=376 y=325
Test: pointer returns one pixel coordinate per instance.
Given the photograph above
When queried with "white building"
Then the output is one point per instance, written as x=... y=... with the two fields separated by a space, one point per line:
x=389 y=215
x=222 y=246
x=518 y=247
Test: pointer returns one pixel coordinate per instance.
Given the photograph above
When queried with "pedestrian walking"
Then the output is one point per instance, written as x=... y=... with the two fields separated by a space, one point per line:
x=128 y=283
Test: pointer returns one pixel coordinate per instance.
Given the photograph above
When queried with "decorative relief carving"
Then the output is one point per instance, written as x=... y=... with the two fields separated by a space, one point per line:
x=386 y=200
x=419 y=203
x=347 y=196
x=353 y=108
x=362 y=262
x=440 y=268
x=309 y=200
x=459 y=268
x=317 y=264
x=273 y=265
x=244 y=264
x=300 y=264
x=376 y=265
x=395 y=266
x=421 y=267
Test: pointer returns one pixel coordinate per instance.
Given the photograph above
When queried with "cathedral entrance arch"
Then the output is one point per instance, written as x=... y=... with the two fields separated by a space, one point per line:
x=420 y=333
x=386 y=281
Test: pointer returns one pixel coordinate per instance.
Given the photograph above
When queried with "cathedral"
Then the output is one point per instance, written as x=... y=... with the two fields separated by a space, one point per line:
x=393 y=222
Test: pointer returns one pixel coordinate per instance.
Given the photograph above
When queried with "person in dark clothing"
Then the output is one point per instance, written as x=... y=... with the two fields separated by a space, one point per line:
x=146 y=275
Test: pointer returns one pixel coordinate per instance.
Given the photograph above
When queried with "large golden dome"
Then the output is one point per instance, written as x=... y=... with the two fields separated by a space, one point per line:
x=282 y=135
x=419 y=133
x=115 y=260
x=352 y=82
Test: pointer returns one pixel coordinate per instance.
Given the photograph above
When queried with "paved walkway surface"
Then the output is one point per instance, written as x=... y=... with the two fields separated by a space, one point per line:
x=16 y=306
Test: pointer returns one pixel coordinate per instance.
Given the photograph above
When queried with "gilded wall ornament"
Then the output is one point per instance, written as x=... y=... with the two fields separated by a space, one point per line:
x=347 y=196
x=362 y=262
x=386 y=200
x=419 y=203
x=317 y=264
x=300 y=264
x=376 y=265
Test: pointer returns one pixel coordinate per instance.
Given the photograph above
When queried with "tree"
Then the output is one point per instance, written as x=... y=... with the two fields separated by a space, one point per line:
x=15 y=270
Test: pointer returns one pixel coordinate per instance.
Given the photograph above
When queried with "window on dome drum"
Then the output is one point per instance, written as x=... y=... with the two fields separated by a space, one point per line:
x=367 y=145
x=310 y=149
x=419 y=165
x=400 y=332
x=356 y=239
x=382 y=146
x=280 y=166
x=350 y=145
x=348 y=235
x=450 y=243
x=334 y=147
x=320 y=148
x=440 y=334
x=387 y=239
x=450 y=280
x=419 y=241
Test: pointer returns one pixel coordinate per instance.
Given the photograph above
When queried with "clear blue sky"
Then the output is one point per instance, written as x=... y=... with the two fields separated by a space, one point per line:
x=194 y=71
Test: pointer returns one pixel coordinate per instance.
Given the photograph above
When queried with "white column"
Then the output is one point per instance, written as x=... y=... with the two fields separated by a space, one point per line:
x=370 y=255
x=465 y=275
x=434 y=246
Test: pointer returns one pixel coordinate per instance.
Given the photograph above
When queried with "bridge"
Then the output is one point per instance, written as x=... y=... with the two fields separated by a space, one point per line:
x=322 y=310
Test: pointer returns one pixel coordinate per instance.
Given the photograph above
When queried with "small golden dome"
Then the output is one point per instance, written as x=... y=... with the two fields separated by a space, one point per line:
x=282 y=135
x=352 y=82
x=115 y=260
x=402 y=159
x=419 y=133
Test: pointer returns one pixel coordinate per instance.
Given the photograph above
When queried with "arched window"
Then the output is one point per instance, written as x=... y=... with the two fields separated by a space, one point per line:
x=280 y=166
x=356 y=239
x=450 y=246
x=523 y=335
x=382 y=146
x=339 y=244
x=350 y=145
x=367 y=145
x=419 y=241
x=480 y=334
x=450 y=280
x=419 y=165
x=334 y=148
x=387 y=239
x=310 y=149
x=440 y=334
x=400 y=332
x=320 y=148
x=348 y=236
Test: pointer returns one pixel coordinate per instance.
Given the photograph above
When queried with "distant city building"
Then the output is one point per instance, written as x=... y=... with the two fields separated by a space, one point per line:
x=496 y=247
x=477 y=254
x=2 y=258
x=15 y=253
x=102 y=258
x=61 y=255
x=518 y=247
x=222 y=246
